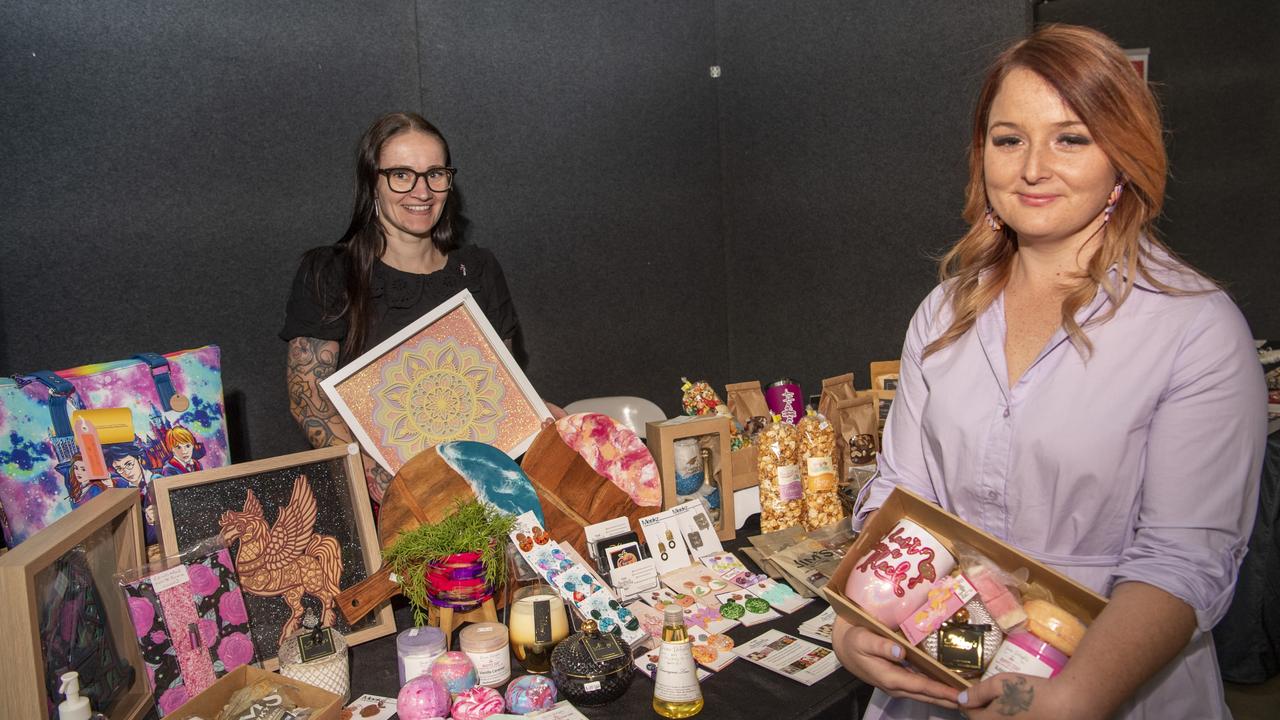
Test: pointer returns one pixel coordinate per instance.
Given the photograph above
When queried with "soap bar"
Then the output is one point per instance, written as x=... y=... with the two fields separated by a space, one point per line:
x=999 y=601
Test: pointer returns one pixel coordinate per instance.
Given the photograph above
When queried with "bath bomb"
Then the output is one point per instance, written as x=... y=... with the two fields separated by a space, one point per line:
x=455 y=670
x=421 y=698
x=530 y=693
x=477 y=703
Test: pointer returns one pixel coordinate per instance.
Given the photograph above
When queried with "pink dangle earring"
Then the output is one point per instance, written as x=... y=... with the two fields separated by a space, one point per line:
x=994 y=220
x=1112 y=199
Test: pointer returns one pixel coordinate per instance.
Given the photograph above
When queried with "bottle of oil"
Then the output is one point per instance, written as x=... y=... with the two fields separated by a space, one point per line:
x=710 y=490
x=676 y=693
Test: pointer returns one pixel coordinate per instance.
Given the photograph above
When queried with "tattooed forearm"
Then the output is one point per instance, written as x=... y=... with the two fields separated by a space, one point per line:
x=1015 y=697
x=310 y=361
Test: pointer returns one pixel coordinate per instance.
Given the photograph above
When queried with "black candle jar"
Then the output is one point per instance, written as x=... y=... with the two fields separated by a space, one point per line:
x=591 y=668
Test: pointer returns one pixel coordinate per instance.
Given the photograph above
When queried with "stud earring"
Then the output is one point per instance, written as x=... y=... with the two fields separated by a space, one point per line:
x=993 y=220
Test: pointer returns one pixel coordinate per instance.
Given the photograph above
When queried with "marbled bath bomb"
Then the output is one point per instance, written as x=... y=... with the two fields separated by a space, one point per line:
x=477 y=703
x=530 y=693
x=421 y=698
x=455 y=670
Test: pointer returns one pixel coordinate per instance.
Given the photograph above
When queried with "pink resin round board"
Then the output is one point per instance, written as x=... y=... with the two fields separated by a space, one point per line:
x=616 y=453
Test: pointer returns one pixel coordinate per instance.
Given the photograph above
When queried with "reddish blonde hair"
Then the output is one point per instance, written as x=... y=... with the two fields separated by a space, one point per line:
x=178 y=436
x=1099 y=84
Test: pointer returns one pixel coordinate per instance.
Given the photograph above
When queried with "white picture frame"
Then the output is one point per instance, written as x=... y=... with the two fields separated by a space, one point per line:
x=408 y=340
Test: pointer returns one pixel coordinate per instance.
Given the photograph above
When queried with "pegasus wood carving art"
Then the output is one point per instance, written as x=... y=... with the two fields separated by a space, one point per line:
x=288 y=559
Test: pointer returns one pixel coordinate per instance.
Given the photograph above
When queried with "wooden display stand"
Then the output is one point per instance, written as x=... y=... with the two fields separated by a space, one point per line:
x=109 y=529
x=661 y=440
x=447 y=619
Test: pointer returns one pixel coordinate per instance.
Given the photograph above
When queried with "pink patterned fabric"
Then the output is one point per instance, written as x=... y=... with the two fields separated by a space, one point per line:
x=614 y=452
x=193 y=654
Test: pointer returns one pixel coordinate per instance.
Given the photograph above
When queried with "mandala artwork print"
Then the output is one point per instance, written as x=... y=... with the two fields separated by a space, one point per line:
x=443 y=383
x=436 y=392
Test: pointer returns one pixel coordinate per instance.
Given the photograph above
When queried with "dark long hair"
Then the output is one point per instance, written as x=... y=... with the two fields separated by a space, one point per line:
x=364 y=242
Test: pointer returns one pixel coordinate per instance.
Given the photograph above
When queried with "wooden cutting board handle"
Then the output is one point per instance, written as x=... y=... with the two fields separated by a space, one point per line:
x=365 y=596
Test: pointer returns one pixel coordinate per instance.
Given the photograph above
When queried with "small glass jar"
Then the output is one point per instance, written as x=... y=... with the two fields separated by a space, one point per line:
x=1022 y=652
x=416 y=649
x=592 y=668
x=487 y=645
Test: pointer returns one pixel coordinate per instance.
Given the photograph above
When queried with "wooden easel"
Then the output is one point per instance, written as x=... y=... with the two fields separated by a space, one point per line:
x=446 y=619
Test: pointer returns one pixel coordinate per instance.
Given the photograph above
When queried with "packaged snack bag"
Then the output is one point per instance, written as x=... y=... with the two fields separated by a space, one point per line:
x=699 y=397
x=818 y=465
x=746 y=402
x=778 y=470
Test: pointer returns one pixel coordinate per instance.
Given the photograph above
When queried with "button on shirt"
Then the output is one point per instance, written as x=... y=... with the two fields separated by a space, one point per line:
x=1139 y=461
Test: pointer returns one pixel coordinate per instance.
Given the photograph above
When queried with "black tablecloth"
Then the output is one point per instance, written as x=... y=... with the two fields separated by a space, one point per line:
x=740 y=691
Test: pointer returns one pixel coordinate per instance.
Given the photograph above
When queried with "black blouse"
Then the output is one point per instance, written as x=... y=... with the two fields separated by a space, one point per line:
x=400 y=297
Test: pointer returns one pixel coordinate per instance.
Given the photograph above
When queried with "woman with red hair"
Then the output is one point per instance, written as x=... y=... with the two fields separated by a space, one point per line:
x=1075 y=389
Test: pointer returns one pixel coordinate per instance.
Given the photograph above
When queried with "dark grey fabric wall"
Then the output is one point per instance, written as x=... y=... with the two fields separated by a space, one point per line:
x=587 y=138
x=1216 y=69
x=165 y=165
x=844 y=130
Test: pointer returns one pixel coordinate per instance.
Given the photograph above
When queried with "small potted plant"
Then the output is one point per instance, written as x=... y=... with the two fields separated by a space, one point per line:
x=456 y=563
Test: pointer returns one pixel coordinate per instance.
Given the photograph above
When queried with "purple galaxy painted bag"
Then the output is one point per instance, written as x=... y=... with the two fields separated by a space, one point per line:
x=178 y=422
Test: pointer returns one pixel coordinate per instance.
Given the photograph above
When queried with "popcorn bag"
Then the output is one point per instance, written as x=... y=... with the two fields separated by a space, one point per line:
x=818 y=463
x=778 y=470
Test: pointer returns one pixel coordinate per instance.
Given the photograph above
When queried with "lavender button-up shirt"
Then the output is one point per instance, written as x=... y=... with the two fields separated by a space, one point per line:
x=1140 y=462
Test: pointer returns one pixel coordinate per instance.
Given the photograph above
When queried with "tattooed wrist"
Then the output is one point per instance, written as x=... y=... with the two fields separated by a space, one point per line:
x=1016 y=696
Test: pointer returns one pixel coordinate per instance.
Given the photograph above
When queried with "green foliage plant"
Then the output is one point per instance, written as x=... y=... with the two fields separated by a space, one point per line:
x=472 y=526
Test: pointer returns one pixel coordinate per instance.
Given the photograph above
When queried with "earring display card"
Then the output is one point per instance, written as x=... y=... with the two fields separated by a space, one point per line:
x=714 y=651
x=746 y=608
x=631 y=580
x=780 y=596
x=665 y=540
x=697 y=528
x=728 y=566
x=577 y=584
x=651 y=620
x=724 y=563
x=698 y=581
x=695 y=613
x=708 y=618
x=647 y=663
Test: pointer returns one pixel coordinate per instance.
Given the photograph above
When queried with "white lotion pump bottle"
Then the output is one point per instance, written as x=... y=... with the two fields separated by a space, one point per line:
x=76 y=706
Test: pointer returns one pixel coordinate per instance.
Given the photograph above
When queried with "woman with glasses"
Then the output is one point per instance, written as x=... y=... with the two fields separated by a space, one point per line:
x=400 y=257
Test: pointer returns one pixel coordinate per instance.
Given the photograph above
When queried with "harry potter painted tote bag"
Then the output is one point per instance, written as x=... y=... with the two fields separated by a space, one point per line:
x=67 y=435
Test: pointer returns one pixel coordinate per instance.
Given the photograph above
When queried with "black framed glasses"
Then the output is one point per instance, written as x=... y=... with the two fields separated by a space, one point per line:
x=402 y=179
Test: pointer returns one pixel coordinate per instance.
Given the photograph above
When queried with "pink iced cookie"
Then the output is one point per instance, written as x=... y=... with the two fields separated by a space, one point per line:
x=613 y=451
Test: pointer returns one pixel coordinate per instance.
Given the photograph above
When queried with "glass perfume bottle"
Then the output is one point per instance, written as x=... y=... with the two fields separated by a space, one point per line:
x=676 y=693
